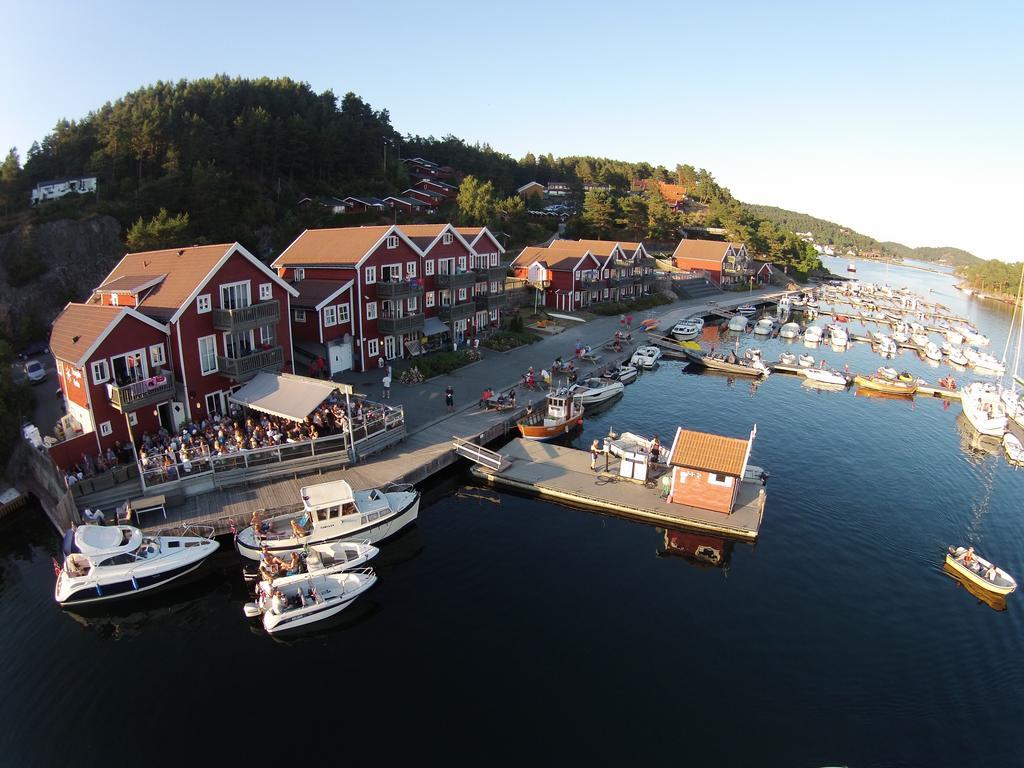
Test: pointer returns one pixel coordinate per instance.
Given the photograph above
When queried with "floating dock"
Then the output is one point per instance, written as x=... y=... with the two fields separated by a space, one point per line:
x=557 y=472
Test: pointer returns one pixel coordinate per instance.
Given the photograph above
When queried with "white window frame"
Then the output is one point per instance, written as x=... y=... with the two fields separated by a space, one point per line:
x=428 y=299
x=300 y=274
x=212 y=339
x=105 y=428
x=266 y=335
x=462 y=263
x=495 y=288
x=448 y=263
x=372 y=348
x=494 y=315
x=370 y=275
x=412 y=304
x=204 y=303
x=410 y=269
x=494 y=259
x=133 y=419
x=157 y=355
x=300 y=315
x=393 y=272
x=114 y=300
x=462 y=294
x=446 y=238
x=428 y=267
x=392 y=241
x=237 y=284
x=371 y=310
x=344 y=313
x=712 y=480
x=330 y=316
x=266 y=291
x=100 y=370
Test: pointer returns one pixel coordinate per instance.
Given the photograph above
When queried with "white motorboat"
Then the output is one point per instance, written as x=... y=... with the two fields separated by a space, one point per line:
x=799 y=301
x=625 y=373
x=887 y=347
x=738 y=323
x=980 y=571
x=827 y=376
x=983 y=362
x=947 y=349
x=326 y=558
x=104 y=563
x=787 y=358
x=953 y=337
x=806 y=361
x=312 y=598
x=984 y=408
x=932 y=351
x=812 y=303
x=333 y=512
x=789 y=331
x=784 y=306
x=838 y=336
x=888 y=373
x=688 y=329
x=921 y=339
x=593 y=391
x=645 y=357
x=1014 y=449
x=764 y=326
x=813 y=334
x=972 y=335
x=957 y=357
x=747 y=309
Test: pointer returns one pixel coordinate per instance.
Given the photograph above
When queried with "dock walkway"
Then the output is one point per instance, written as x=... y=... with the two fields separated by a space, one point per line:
x=562 y=473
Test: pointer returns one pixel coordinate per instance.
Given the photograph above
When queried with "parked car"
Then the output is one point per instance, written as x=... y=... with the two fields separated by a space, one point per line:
x=35 y=372
x=33 y=349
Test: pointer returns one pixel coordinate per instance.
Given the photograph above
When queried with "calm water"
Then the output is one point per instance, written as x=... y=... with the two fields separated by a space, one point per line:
x=506 y=628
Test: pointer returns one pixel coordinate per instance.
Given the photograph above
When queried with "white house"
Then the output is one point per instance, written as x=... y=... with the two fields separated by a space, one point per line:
x=51 y=190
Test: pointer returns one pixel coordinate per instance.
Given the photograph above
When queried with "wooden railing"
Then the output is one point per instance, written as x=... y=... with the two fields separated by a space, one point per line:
x=264 y=313
x=391 y=324
x=241 y=368
x=139 y=394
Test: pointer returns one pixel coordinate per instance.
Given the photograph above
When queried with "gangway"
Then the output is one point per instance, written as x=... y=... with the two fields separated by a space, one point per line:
x=478 y=454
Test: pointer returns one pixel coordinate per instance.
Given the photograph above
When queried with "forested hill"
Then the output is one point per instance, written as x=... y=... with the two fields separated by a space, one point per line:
x=843 y=238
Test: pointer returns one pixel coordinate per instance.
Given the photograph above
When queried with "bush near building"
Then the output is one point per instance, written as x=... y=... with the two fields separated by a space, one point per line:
x=439 y=363
x=503 y=341
x=621 y=307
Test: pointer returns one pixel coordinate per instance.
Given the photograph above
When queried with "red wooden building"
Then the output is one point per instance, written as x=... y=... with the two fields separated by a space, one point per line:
x=570 y=275
x=724 y=263
x=707 y=469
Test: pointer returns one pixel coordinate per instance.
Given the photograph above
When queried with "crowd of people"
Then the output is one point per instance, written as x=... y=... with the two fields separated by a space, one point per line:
x=104 y=461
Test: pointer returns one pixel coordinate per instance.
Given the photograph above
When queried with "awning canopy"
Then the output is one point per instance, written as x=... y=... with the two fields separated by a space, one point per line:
x=432 y=326
x=285 y=395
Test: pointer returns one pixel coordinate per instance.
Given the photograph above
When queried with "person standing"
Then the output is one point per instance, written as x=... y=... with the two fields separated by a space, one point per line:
x=449 y=398
x=387 y=386
x=629 y=322
x=595 y=451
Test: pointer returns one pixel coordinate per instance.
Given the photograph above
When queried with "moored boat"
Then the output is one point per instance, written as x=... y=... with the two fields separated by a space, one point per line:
x=932 y=351
x=319 y=559
x=1014 y=449
x=888 y=386
x=806 y=361
x=984 y=409
x=787 y=358
x=729 y=363
x=747 y=309
x=827 y=376
x=563 y=414
x=764 y=326
x=625 y=373
x=645 y=357
x=789 y=331
x=813 y=334
x=738 y=323
x=980 y=571
x=594 y=390
x=311 y=599
x=687 y=329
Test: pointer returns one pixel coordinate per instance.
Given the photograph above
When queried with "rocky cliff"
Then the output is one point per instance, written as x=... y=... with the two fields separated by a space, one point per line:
x=44 y=266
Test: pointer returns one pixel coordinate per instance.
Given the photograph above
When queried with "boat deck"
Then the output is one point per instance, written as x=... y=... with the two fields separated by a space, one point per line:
x=562 y=473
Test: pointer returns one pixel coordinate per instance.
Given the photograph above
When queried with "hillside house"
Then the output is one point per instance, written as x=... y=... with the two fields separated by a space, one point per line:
x=55 y=188
x=530 y=189
x=725 y=263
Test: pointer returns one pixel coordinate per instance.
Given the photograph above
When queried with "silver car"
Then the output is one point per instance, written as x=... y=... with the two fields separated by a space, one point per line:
x=35 y=372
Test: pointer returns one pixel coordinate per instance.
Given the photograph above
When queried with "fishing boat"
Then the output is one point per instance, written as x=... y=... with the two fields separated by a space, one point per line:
x=813 y=334
x=625 y=373
x=729 y=363
x=851 y=267
x=333 y=512
x=687 y=329
x=787 y=358
x=984 y=409
x=104 y=563
x=784 y=306
x=980 y=571
x=562 y=415
x=932 y=351
x=789 y=331
x=593 y=391
x=738 y=323
x=764 y=326
x=827 y=376
x=806 y=361
x=885 y=385
x=645 y=357
x=747 y=309
x=1014 y=449
x=312 y=599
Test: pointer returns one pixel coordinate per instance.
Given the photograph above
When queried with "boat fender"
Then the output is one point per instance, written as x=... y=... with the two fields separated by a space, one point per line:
x=135 y=584
x=251 y=610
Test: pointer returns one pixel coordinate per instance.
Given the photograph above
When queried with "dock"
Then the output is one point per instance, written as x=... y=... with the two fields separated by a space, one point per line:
x=564 y=474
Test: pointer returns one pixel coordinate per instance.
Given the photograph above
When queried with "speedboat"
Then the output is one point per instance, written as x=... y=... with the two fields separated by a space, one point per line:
x=1014 y=449
x=838 y=336
x=972 y=335
x=333 y=512
x=747 y=309
x=806 y=361
x=789 y=331
x=593 y=391
x=625 y=373
x=980 y=571
x=562 y=415
x=799 y=301
x=764 y=326
x=827 y=376
x=886 y=347
x=319 y=559
x=105 y=563
x=738 y=323
x=687 y=329
x=645 y=357
x=313 y=598
x=888 y=373
x=813 y=334
x=957 y=357
x=983 y=362
x=984 y=408
x=921 y=339
x=787 y=358
x=953 y=337
x=932 y=351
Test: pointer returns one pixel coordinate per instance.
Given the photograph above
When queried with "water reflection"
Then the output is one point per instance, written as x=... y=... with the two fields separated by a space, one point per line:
x=698 y=549
x=975 y=445
x=995 y=602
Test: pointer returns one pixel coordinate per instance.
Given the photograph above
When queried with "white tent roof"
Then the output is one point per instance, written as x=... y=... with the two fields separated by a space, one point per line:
x=285 y=395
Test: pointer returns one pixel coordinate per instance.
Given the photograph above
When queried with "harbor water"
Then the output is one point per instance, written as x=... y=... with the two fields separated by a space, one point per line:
x=506 y=628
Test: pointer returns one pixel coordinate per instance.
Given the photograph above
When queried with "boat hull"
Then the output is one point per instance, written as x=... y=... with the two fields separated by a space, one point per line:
x=978 y=579
x=547 y=432
x=91 y=594
x=887 y=387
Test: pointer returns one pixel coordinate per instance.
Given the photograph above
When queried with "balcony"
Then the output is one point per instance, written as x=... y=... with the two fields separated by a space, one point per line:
x=491 y=274
x=649 y=278
x=489 y=301
x=253 y=316
x=243 y=368
x=399 y=289
x=591 y=283
x=621 y=280
x=150 y=391
x=737 y=270
x=460 y=311
x=397 y=324
x=455 y=279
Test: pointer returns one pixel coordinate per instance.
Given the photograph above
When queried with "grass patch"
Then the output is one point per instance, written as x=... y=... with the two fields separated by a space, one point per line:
x=503 y=341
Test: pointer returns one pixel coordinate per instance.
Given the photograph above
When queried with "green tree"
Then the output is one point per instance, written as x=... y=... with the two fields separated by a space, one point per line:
x=10 y=176
x=475 y=201
x=161 y=231
x=662 y=221
x=599 y=212
x=634 y=215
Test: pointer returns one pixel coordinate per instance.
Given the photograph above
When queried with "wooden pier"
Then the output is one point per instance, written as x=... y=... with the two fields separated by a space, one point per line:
x=561 y=473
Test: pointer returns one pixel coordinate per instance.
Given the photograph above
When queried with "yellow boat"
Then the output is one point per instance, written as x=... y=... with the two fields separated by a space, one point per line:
x=882 y=384
x=980 y=571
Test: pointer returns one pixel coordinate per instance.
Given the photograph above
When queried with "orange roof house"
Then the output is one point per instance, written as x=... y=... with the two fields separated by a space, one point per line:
x=725 y=263
x=707 y=469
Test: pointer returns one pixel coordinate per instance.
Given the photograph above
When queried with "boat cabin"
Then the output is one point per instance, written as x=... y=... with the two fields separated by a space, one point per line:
x=561 y=408
x=707 y=469
x=328 y=504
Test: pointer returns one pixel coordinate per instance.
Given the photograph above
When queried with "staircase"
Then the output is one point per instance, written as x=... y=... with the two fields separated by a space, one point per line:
x=695 y=288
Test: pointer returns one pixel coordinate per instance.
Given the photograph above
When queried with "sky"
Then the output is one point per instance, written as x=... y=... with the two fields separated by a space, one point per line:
x=902 y=120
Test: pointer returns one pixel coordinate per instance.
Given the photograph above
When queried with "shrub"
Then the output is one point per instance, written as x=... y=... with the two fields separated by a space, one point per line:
x=503 y=341
x=438 y=363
